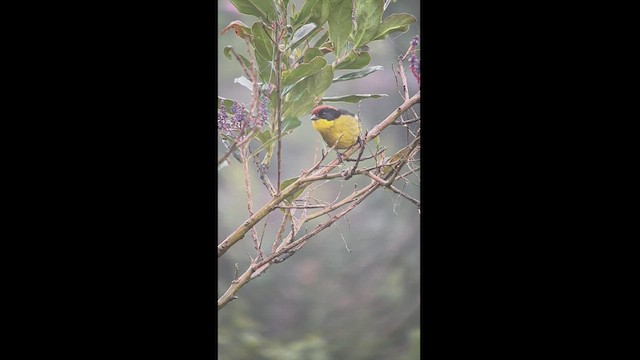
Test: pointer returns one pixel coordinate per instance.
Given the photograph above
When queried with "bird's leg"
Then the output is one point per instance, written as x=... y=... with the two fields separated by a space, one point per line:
x=353 y=170
x=342 y=157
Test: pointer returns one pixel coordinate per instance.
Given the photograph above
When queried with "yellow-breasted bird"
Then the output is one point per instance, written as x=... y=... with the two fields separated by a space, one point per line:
x=332 y=123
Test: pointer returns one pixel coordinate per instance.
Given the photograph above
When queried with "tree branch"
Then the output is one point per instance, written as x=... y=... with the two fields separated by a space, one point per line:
x=239 y=233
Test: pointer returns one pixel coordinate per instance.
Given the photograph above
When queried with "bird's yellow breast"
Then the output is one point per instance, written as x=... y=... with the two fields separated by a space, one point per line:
x=346 y=126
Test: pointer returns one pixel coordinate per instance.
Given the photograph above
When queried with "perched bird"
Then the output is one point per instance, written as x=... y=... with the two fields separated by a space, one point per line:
x=333 y=124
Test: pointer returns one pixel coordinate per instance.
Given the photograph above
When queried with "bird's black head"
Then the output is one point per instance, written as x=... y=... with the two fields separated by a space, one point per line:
x=327 y=112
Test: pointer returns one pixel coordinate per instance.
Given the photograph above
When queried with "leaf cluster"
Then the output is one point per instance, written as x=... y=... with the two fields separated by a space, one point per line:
x=300 y=41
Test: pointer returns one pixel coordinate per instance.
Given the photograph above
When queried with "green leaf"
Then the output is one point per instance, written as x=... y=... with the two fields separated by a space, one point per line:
x=394 y=23
x=295 y=91
x=299 y=107
x=303 y=70
x=259 y=8
x=264 y=136
x=321 y=40
x=320 y=81
x=310 y=53
x=227 y=53
x=302 y=97
x=289 y=123
x=305 y=12
x=244 y=82
x=262 y=42
x=267 y=144
x=355 y=61
x=353 y=98
x=265 y=69
x=268 y=155
x=228 y=103
x=340 y=23
x=320 y=12
x=368 y=18
x=358 y=74
x=286 y=183
x=301 y=34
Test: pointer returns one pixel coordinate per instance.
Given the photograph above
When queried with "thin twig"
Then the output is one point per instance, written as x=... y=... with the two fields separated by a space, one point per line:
x=405 y=88
x=280 y=231
x=245 y=172
x=278 y=97
x=235 y=145
x=343 y=240
x=301 y=206
x=405 y=122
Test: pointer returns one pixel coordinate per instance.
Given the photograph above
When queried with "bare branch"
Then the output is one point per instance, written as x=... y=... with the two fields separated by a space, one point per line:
x=261 y=266
x=405 y=122
x=280 y=231
x=245 y=172
x=405 y=88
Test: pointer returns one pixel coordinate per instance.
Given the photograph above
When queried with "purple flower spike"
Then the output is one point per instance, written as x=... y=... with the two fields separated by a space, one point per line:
x=222 y=118
x=263 y=112
x=238 y=114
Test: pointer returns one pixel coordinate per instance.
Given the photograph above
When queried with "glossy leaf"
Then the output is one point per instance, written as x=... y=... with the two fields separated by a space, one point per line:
x=299 y=107
x=321 y=40
x=358 y=74
x=301 y=34
x=262 y=9
x=355 y=61
x=310 y=53
x=340 y=23
x=353 y=98
x=289 y=123
x=265 y=69
x=394 y=23
x=305 y=12
x=262 y=42
x=368 y=18
x=303 y=70
x=320 y=12
x=320 y=81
